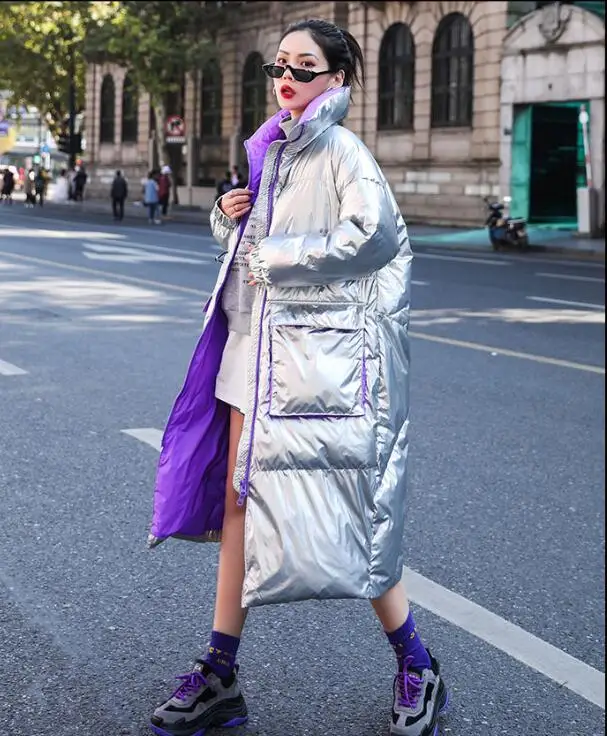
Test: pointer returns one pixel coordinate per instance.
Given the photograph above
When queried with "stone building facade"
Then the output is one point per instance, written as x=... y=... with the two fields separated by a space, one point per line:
x=433 y=111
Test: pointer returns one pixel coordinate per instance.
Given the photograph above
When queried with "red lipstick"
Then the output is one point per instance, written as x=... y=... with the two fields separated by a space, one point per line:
x=287 y=92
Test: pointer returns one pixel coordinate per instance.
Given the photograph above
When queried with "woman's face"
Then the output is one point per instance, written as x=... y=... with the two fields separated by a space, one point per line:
x=299 y=50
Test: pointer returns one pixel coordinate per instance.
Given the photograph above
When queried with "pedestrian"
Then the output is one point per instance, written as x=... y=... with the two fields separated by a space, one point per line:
x=294 y=412
x=8 y=185
x=150 y=197
x=236 y=177
x=30 y=188
x=62 y=186
x=40 y=185
x=224 y=185
x=164 y=189
x=119 y=193
x=71 y=176
x=80 y=179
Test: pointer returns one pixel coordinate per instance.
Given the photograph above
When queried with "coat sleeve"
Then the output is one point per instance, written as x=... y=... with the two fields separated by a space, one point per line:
x=221 y=226
x=364 y=240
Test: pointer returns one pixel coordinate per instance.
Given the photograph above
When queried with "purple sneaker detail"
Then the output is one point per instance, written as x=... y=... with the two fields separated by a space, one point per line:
x=202 y=701
x=235 y=722
x=190 y=684
x=420 y=696
x=409 y=685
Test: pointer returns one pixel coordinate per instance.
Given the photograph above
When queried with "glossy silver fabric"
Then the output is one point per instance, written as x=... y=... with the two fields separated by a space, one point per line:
x=323 y=453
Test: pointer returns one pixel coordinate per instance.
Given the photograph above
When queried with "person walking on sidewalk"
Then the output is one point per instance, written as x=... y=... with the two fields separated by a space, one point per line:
x=8 y=186
x=119 y=193
x=150 y=197
x=40 y=184
x=164 y=189
x=29 y=188
x=288 y=441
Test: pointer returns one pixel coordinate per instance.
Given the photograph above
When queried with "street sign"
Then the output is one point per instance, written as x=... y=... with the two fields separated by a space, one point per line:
x=583 y=117
x=174 y=129
x=45 y=149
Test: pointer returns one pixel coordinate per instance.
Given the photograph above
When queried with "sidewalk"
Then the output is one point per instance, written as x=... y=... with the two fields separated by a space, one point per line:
x=422 y=235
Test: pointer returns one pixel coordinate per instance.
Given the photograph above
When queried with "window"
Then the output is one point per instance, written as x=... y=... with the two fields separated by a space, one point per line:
x=108 y=108
x=396 y=79
x=211 y=101
x=253 y=95
x=130 y=111
x=452 y=72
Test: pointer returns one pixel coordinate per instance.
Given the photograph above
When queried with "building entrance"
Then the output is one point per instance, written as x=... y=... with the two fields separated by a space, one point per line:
x=547 y=163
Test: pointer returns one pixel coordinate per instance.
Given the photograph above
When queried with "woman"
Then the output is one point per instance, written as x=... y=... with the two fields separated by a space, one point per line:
x=150 y=197
x=310 y=439
x=164 y=189
x=62 y=186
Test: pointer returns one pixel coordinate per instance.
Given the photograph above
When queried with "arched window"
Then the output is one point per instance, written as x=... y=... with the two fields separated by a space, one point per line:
x=211 y=100
x=130 y=111
x=396 y=79
x=253 y=95
x=108 y=110
x=452 y=72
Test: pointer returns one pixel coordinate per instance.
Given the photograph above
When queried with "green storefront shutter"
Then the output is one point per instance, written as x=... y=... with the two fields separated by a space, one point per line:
x=521 y=161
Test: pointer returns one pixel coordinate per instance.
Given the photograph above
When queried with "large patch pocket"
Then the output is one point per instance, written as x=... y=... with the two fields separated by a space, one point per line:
x=317 y=364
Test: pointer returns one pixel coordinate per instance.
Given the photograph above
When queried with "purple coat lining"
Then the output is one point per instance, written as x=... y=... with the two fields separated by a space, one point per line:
x=189 y=498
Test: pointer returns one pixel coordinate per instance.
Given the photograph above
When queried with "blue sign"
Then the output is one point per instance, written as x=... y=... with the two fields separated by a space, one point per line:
x=45 y=149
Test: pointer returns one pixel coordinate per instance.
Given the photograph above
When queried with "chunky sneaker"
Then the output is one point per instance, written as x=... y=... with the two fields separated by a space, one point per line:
x=202 y=701
x=419 y=699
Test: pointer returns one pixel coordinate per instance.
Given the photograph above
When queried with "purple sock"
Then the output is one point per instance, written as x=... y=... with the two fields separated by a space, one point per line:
x=406 y=643
x=221 y=653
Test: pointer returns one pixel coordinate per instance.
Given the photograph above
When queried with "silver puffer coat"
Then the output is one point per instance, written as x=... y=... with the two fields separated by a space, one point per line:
x=323 y=454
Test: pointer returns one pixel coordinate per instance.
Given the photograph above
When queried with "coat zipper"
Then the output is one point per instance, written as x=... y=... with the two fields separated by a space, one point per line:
x=244 y=483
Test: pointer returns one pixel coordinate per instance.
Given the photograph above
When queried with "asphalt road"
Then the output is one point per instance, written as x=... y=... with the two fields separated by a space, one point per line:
x=505 y=532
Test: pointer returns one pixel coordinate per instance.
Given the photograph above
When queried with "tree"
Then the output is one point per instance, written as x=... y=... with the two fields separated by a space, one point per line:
x=160 y=43
x=42 y=50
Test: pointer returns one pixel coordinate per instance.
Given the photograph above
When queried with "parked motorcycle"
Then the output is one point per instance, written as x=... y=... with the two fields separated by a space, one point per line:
x=505 y=232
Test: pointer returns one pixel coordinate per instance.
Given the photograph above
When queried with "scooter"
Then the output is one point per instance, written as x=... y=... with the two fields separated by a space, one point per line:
x=505 y=232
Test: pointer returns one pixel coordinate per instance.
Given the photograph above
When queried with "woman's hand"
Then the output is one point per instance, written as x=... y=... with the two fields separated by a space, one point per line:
x=235 y=203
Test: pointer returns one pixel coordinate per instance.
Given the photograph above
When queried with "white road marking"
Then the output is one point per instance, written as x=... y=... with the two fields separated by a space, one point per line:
x=8 y=369
x=564 y=302
x=571 y=277
x=519 y=644
x=156 y=232
x=208 y=244
x=125 y=253
x=509 y=353
x=420 y=283
x=514 y=641
x=148 y=435
x=462 y=259
x=109 y=274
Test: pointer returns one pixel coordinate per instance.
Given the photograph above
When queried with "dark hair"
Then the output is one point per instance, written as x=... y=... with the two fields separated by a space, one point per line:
x=340 y=48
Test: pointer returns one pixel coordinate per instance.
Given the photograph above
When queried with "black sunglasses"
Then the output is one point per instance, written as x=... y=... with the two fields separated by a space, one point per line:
x=275 y=71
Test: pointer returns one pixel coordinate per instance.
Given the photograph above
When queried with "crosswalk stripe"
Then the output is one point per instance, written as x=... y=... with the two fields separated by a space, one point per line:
x=8 y=369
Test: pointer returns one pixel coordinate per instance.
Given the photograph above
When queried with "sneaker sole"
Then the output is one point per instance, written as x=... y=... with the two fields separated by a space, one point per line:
x=201 y=732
